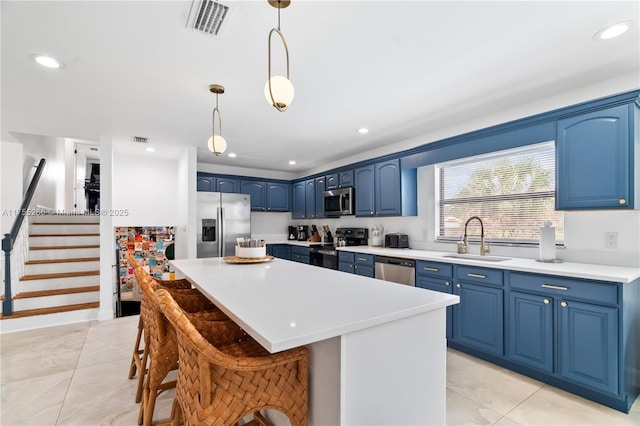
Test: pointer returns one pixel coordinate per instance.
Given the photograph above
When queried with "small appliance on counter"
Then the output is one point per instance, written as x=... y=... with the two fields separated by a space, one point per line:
x=396 y=240
x=302 y=232
x=352 y=236
x=293 y=233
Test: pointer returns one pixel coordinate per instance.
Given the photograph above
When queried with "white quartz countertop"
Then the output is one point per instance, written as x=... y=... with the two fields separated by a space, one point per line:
x=284 y=304
x=620 y=274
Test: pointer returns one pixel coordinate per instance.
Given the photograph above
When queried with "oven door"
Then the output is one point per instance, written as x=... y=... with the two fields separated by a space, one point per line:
x=325 y=258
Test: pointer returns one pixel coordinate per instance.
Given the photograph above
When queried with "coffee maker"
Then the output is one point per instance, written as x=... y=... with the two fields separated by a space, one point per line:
x=303 y=232
x=293 y=233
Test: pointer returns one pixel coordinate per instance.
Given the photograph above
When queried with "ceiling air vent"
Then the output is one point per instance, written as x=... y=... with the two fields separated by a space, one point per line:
x=207 y=16
x=139 y=139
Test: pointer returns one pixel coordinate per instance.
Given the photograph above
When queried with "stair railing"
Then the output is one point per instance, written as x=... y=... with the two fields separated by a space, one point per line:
x=9 y=240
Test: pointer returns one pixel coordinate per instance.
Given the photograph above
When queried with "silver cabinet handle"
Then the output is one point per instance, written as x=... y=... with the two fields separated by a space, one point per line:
x=447 y=283
x=458 y=285
x=546 y=301
x=564 y=304
x=554 y=287
x=362 y=259
x=430 y=269
x=476 y=276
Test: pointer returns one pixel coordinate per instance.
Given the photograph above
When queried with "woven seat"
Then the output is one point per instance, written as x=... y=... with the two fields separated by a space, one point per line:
x=162 y=352
x=225 y=375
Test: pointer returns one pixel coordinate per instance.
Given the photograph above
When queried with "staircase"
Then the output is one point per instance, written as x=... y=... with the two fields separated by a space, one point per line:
x=61 y=281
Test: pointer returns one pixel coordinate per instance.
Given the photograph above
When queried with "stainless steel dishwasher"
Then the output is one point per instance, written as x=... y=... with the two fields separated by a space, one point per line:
x=402 y=271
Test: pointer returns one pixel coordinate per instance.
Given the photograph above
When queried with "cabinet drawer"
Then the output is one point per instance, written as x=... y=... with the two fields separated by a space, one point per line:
x=364 y=259
x=434 y=269
x=592 y=291
x=302 y=251
x=345 y=256
x=435 y=284
x=480 y=275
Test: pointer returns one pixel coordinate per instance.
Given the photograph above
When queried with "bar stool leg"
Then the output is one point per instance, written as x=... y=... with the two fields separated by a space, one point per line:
x=135 y=358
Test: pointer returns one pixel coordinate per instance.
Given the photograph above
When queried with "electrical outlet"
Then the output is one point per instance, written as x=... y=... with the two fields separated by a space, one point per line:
x=611 y=240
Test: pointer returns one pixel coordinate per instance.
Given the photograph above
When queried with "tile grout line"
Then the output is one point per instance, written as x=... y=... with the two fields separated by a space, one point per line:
x=522 y=402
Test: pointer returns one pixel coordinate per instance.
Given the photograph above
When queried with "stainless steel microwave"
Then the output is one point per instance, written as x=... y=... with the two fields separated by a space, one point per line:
x=338 y=202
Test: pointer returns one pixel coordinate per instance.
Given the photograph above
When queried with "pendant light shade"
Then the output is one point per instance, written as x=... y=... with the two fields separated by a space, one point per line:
x=216 y=144
x=278 y=90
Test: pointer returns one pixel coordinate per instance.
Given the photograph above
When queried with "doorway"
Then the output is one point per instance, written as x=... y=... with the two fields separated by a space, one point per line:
x=86 y=177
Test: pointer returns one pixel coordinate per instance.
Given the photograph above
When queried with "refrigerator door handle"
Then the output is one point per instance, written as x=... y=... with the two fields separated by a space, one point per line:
x=222 y=231
x=219 y=231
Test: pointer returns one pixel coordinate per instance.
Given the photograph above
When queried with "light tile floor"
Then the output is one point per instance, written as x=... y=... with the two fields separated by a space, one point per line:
x=77 y=375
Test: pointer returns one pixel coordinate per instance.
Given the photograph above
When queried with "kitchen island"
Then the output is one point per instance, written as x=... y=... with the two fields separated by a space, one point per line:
x=377 y=349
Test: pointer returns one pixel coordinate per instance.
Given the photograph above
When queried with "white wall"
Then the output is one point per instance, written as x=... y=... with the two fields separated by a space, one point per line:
x=11 y=190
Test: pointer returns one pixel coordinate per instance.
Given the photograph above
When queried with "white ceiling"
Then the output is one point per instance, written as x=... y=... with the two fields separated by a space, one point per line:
x=398 y=68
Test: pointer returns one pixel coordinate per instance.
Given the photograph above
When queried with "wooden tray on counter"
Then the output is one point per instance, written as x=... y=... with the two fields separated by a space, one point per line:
x=236 y=259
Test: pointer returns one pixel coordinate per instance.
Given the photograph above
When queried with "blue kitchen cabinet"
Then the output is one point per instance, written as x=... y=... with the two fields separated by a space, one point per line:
x=206 y=182
x=364 y=264
x=478 y=320
x=229 y=185
x=300 y=254
x=383 y=189
x=266 y=195
x=342 y=179
x=531 y=330
x=346 y=261
x=281 y=251
x=437 y=276
x=298 y=192
x=310 y=198
x=595 y=160
x=319 y=198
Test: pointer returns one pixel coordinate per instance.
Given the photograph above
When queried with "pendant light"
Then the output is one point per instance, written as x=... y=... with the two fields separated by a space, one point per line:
x=216 y=143
x=279 y=90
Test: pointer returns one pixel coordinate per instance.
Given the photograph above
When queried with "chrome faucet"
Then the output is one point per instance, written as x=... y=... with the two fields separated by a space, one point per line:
x=483 y=249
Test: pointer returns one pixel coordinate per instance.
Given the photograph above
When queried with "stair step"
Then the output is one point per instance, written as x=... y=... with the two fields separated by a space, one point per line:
x=51 y=310
x=46 y=240
x=77 y=259
x=65 y=235
x=59 y=275
x=65 y=219
x=64 y=223
x=44 y=293
x=65 y=247
x=64 y=228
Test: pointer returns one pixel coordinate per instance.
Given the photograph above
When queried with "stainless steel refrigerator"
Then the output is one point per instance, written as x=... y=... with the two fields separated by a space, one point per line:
x=222 y=218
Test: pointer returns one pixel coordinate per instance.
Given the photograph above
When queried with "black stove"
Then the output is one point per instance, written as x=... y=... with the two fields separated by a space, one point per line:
x=326 y=255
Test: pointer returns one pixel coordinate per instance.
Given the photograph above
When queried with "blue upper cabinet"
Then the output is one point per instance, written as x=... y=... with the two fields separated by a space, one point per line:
x=278 y=196
x=228 y=185
x=257 y=191
x=206 y=182
x=595 y=160
x=298 y=191
x=319 y=200
x=310 y=198
x=383 y=189
x=342 y=179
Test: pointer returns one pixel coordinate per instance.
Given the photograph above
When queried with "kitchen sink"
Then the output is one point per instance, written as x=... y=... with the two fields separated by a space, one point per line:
x=477 y=257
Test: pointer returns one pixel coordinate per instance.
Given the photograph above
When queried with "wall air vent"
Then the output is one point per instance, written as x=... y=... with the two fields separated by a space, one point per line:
x=208 y=16
x=139 y=139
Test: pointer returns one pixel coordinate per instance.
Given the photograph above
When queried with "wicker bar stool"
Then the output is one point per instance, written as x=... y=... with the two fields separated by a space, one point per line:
x=225 y=375
x=162 y=354
x=140 y=354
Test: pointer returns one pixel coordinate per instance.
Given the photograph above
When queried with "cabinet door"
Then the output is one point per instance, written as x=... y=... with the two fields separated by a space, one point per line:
x=206 y=183
x=366 y=271
x=589 y=345
x=282 y=251
x=387 y=188
x=443 y=286
x=345 y=179
x=365 y=194
x=278 y=195
x=332 y=181
x=531 y=330
x=310 y=199
x=257 y=191
x=298 y=200
x=478 y=319
x=228 y=185
x=594 y=161
x=319 y=200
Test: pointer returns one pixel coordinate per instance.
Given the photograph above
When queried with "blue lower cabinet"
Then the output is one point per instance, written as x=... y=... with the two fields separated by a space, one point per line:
x=478 y=319
x=589 y=345
x=531 y=330
x=281 y=251
x=364 y=264
x=346 y=261
x=300 y=254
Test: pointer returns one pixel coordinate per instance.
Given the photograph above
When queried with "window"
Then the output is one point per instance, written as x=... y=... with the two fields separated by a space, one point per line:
x=512 y=191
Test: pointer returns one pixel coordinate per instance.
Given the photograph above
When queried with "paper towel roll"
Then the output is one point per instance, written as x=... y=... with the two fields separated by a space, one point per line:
x=547 y=243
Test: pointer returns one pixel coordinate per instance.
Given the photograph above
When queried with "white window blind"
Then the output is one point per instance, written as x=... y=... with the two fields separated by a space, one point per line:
x=512 y=191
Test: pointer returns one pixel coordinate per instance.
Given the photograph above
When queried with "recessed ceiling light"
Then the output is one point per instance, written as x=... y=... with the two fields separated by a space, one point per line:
x=363 y=130
x=47 y=61
x=613 y=31
x=232 y=155
x=292 y=162
x=150 y=149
